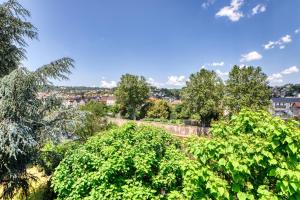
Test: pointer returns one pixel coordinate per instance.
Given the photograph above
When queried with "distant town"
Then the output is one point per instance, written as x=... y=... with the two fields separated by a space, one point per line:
x=285 y=99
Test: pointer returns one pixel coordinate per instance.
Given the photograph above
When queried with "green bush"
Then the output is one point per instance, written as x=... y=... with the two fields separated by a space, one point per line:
x=94 y=120
x=131 y=162
x=51 y=155
x=97 y=109
x=251 y=156
x=160 y=109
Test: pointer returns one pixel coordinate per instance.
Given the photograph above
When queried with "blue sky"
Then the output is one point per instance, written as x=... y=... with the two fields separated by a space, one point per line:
x=166 y=40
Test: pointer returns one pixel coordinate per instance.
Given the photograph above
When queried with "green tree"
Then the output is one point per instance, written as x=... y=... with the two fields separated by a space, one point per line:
x=130 y=162
x=26 y=120
x=247 y=87
x=97 y=109
x=160 y=109
x=94 y=120
x=251 y=156
x=203 y=95
x=14 y=30
x=131 y=93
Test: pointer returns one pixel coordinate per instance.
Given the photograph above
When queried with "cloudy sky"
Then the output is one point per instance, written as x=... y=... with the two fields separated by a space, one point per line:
x=166 y=40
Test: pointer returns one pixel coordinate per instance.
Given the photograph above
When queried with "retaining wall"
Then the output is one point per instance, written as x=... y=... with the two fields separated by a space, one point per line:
x=178 y=130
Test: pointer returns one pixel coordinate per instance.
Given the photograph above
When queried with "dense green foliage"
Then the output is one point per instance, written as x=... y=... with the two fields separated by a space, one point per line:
x=95 y=108
x=251 y=156
x=51 y=154
x=94 y=120
x=160 y=109
x=26 y=120
x=14 y=30
x=247 y=87
x=203 y=95
x=131 y=93
x=130 y=162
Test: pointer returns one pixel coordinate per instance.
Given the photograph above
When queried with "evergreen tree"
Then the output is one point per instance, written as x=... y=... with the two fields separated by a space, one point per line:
x=131 y=93
x=26 y=120
x=203 y=95
x=247 y=87
x=14 y=30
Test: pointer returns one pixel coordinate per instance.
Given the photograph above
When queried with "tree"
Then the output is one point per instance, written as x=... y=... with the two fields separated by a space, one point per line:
x=203 y=95
x=160 y=109
x=247 y=87
x=94 y=120
x=251 y=156
x=14 y=30
x=131 y=93
x=130 y=162
x=26 y=119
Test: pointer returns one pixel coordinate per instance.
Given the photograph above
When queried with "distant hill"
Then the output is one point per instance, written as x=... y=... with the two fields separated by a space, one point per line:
x=286 y=90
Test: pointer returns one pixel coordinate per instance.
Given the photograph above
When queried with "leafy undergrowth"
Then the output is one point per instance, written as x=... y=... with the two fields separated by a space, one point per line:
x=251 y=156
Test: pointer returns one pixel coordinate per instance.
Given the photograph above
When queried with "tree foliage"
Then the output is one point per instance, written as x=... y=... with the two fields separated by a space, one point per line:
x=247 y=87
x=160 y=109
x=14 y=30
x=203 y=95
x=26 y=120
x=131 y=162
x=94 y=120
x=251 y=156
x=131 y=93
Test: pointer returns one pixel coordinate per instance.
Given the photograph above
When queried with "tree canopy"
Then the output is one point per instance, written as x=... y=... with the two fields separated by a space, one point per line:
x=203 y=95
x=247 y=87
x=131 y=93
x=250 y=156
x=160 y=109
x=14 y=31
x=26 y=119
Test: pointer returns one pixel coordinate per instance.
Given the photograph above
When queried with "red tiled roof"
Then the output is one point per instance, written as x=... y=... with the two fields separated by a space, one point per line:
x=296 y=104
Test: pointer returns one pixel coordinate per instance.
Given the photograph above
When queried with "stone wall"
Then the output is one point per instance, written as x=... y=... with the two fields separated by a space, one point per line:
x=178 y=130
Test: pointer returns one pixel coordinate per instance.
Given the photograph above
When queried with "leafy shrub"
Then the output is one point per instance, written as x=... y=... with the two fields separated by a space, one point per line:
x=97 y=109
x=131 y=162
x=94 y=120
x=51 y=155
x=160 y=109
x=253 y=156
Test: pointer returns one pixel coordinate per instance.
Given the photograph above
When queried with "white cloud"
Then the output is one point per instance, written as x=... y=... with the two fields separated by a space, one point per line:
x=251 y=56
x=259 y=9
x=278 y=77
x=279 y=43
x=275 y=78
x=232 y=11
x=222 y=74
x=297 y=31
x=216 y=64
x=108 y=84
x=207 y=3
x=153 y=82
x=176 y=80
x=290 y=70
